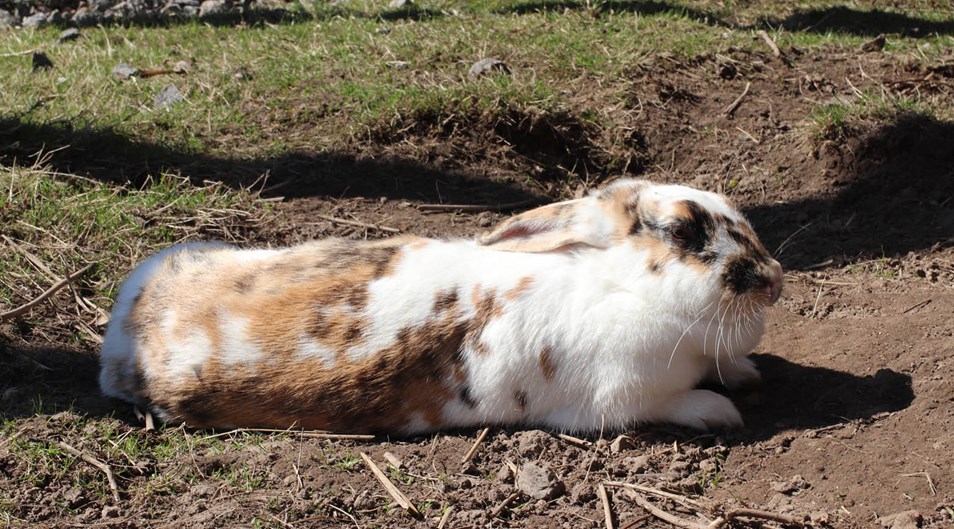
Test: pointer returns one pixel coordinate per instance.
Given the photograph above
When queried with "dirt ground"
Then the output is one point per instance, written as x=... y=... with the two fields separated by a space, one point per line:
x=854 y=422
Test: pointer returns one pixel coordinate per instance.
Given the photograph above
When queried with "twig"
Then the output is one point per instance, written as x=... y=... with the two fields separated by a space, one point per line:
x=755 y=513
x=926 y=475
x=346 y=222
x=303 y=433
x=98 y=464
x=476 y=208
x=649 y=490
x=445 y=517
x=20 y=53
x=398 y=496
x=473 y=449
x=607 y=509
x=916 y=306
x=751 y=137
x=277 y=519
x=503 y=505
x=729 y=110
x=582 y=443
x=23 y=309
x=661 y=514
x=346 y=513
x=768 y=41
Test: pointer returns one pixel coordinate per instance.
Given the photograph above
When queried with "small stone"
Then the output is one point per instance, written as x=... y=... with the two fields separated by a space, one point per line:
x=169 y=97
x=538 y=482
x=877 y=44
x=110 y=511
x=40 y=61
x=581 y=494
x=488 y=66
x=84 y=17
x=7 y=19
x=123 y=71
x=210 y=8
x=790 y=486
x=37 y=20
x=68 y=35
x=532 y=443
x=398 y=65
x=394 y=4
x=504 y=475
x=383 y=30
x=636 y=465
x=55 y=17
x=623 y=442
x=902 y=520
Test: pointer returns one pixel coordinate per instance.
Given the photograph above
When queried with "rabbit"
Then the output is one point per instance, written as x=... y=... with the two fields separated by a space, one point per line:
x=600 y=312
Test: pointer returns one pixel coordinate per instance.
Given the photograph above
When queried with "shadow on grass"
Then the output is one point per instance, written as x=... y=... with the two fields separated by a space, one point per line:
x=107 y=156
x=840 y=19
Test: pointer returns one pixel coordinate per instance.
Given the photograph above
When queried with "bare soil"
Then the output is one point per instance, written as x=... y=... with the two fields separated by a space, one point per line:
x=855 y=420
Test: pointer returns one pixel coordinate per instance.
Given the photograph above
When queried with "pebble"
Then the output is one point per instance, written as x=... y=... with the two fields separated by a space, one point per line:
x=123 y=71
x=7 y=19
x=37 y=20
x=211 y=8
x=68 y=35
x=504 y=475
x=487 y=66
x=538 y=482
x=623 y=442
x=168 y=97
x=394 y=4
x=902 y=520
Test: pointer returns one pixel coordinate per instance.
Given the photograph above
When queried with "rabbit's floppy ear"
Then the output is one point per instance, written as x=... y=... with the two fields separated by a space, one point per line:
x=556 y=227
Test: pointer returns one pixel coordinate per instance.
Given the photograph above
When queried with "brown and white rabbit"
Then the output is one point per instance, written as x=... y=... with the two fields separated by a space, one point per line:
x=597 y=312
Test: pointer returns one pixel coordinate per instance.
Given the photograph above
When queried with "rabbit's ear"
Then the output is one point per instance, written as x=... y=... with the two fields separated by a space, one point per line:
x=556 y=227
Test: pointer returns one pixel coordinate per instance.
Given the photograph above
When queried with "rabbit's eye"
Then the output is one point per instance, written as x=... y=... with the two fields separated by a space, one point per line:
x=681 y=233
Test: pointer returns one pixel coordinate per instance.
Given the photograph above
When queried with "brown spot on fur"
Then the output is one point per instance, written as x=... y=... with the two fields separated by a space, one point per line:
x=522 y=286
x=546 y=363
x=445 y=300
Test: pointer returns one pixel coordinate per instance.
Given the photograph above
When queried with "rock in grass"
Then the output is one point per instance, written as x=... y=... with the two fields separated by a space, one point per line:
x=877 y=44
x=68 y=35
x=538 y=482
x=36 y=20
x=490 y=65
x=84 y=17
x=213 y=8
x=40 y=60
x=394 y=4
x=7 y=19
x=123 y=71
x=168 y=97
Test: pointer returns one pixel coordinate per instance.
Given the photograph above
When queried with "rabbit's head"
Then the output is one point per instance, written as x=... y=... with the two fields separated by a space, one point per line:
x=685 y=237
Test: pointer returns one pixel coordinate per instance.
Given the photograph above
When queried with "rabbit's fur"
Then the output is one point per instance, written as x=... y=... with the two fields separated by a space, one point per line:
x=590 y=313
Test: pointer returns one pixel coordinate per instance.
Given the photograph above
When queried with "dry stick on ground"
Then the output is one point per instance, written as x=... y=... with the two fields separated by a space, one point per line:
x=346 y=222
x=503 y=505
x=729 y=110
x=445 y=517
x=398 y=496
x=769 y=42
x=916 y=306
x=23 y=309
x=473 y=449
x=303 y=433
x=474 y=208
x=657 y=492
x=755 y=513
x=926 y=475
x=607 y=509
x=661 y=514
x=96 y=463
x=582 y=443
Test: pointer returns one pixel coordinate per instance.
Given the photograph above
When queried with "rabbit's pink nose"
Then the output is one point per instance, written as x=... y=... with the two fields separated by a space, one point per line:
x=774 y=280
